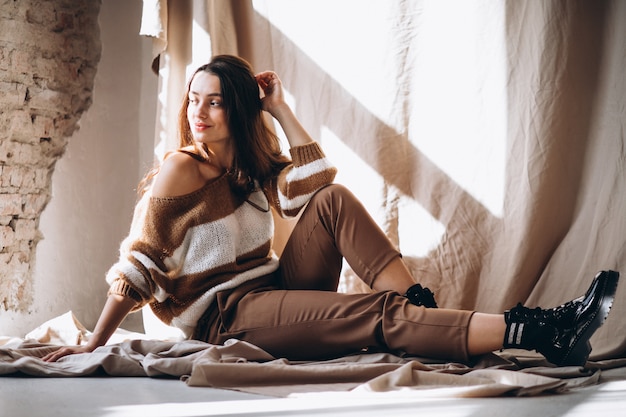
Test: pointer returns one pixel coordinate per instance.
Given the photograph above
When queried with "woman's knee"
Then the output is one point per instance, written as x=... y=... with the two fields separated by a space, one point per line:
x=334 y=195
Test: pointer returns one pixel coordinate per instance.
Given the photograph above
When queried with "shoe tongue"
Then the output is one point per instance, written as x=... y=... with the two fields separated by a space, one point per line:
x=564 y=314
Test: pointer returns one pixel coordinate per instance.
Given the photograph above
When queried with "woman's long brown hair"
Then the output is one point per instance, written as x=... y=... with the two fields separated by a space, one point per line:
x=258 y=155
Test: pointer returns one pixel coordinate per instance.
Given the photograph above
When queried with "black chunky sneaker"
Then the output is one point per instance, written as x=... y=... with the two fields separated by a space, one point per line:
x=562 y=334
x=421 y=296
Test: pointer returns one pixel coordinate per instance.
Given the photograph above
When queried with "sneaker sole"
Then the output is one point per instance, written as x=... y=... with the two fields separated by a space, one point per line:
x=580 y=350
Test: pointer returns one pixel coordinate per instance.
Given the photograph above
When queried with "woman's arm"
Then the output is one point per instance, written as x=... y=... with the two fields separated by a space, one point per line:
x=274 y=103
x=314 y=171
x=114 y=311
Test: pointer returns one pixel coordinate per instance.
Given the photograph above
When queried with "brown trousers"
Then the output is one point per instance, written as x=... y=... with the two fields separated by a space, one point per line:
x=299 y=315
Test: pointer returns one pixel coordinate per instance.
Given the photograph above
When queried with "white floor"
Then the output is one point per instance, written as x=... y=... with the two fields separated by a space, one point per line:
x=114 y=397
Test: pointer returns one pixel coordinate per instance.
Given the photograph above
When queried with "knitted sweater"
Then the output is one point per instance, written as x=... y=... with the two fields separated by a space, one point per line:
x=182 y=250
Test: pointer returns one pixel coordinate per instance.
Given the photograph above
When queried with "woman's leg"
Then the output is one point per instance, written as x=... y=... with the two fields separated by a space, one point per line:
x=322 y=324
x=485 y=333
x=313 y=325
x=395 y=276
x=335 y=225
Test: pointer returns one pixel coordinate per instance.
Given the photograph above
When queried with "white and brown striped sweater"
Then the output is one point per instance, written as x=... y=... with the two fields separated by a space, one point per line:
x=182 y=250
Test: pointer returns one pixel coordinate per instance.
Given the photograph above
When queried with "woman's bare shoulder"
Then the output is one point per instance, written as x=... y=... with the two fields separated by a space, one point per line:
x=179 y=174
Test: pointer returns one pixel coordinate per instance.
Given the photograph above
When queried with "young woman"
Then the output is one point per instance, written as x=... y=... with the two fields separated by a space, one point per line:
x=199 y=250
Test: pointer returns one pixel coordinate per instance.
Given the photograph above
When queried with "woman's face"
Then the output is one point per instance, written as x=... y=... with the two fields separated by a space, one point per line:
x=205 y=113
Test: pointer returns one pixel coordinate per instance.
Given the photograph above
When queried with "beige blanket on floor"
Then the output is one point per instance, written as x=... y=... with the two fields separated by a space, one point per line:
x=244 y=367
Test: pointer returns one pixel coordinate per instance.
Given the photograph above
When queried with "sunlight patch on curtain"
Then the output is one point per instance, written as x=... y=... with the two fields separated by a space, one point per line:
x=459 y=111
x=432 y=72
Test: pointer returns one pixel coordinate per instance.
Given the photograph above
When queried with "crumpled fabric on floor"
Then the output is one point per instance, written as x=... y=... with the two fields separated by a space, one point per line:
x=241 y=366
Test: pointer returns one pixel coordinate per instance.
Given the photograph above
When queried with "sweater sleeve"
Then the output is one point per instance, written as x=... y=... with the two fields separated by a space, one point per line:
x=295 y=185
x=148 y=257
x=127 y=266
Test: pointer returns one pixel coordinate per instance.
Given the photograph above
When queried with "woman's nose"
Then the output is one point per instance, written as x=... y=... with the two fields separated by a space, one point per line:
x=200 y=112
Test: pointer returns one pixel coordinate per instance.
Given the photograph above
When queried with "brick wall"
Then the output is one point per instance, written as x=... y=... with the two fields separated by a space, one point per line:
x=49 y=51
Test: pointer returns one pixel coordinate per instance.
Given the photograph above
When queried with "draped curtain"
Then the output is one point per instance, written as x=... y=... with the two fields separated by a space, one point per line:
x=485 y=137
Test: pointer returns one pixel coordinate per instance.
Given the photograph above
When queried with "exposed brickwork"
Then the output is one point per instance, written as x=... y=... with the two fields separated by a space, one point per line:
x=49 y=51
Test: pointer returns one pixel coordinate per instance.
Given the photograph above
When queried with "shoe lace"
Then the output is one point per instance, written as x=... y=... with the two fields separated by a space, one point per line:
x=563 y=313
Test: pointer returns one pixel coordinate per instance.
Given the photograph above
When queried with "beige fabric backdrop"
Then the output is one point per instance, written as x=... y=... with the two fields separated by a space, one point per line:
x=486 y=137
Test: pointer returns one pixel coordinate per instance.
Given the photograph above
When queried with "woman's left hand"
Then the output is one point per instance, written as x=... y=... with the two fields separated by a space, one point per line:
x=272 y=89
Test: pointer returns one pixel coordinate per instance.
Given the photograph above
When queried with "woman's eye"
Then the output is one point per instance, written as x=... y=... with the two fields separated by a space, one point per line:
x=216 y=103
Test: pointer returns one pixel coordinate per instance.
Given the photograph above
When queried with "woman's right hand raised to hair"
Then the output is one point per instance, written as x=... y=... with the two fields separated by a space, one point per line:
x=272 y=87
x=273 y=102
